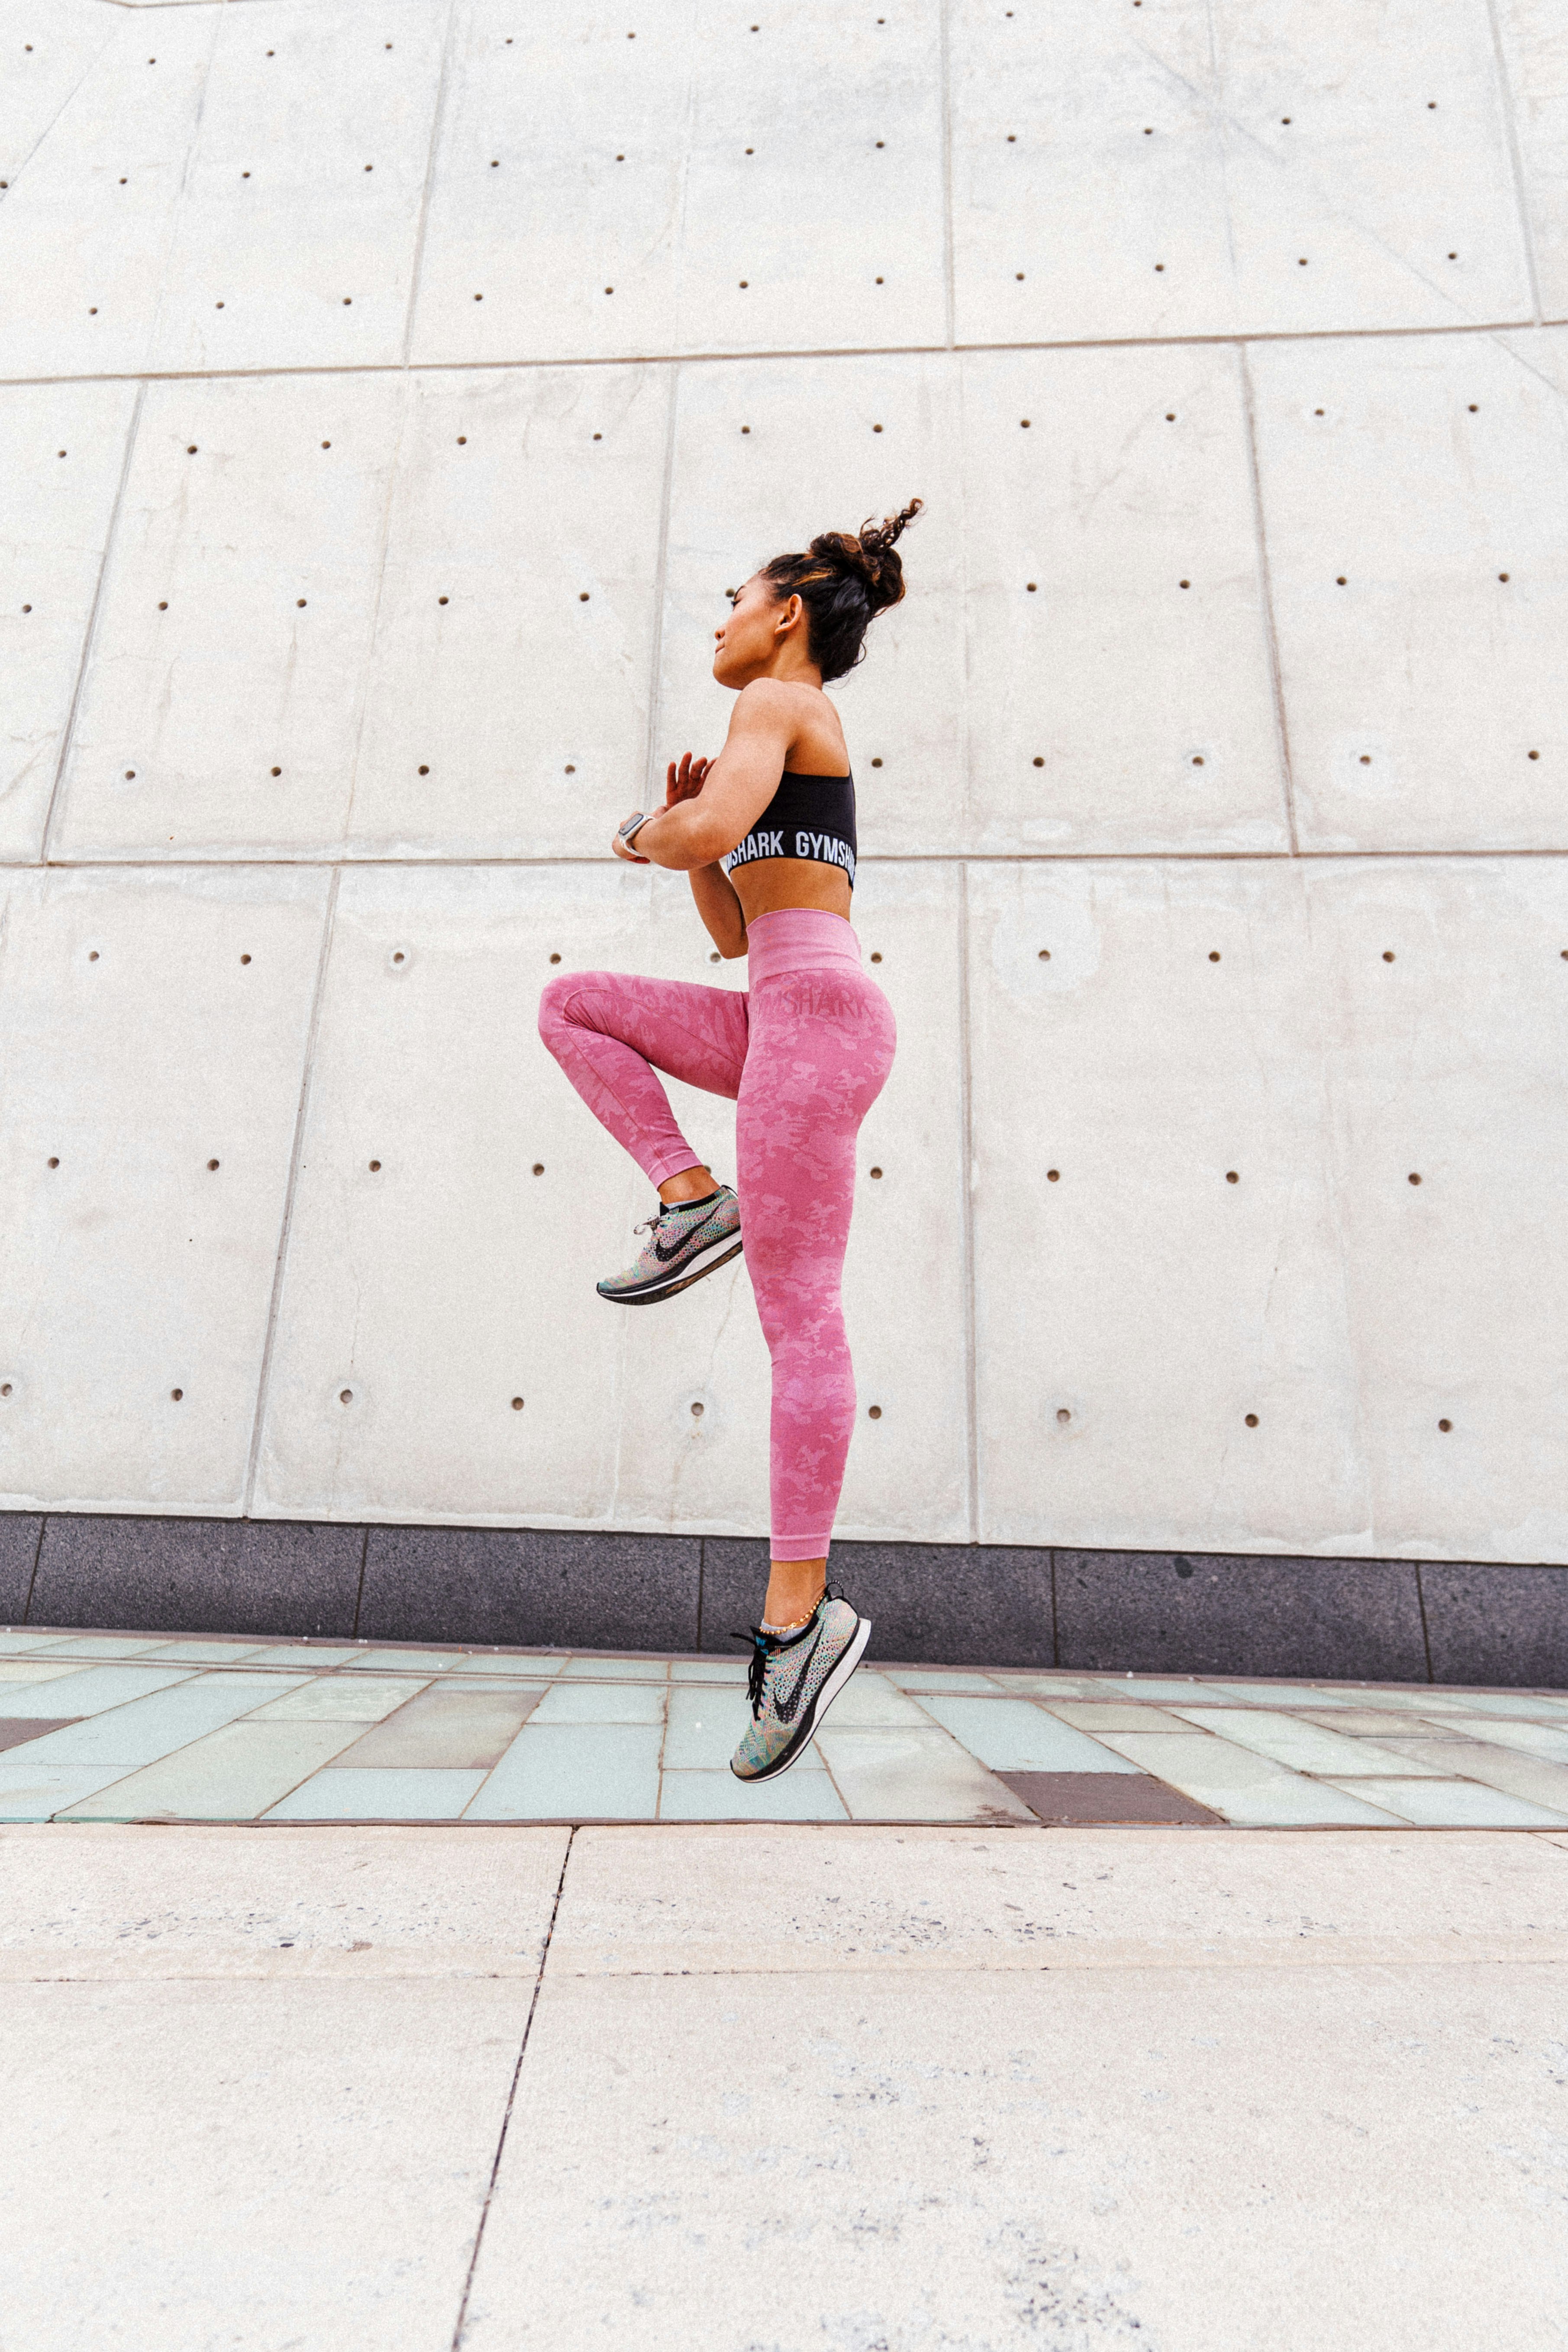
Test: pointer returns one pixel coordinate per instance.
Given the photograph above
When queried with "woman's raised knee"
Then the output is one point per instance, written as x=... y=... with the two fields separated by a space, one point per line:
x=555 y=1003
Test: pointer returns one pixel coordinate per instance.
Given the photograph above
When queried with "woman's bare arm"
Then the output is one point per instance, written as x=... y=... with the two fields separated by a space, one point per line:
x=723 y=914
x=697 y=828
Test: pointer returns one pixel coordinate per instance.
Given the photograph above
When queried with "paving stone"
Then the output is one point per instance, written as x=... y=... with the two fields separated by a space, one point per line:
x=1063 y=1800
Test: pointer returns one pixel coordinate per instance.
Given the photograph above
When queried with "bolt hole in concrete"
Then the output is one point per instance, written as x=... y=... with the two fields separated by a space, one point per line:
x=162 y=607
x=93 y=955
x=875 y=428
x=554 y=955
x=874 y=1412
x=1214 y=955
x=1053 y=1175
x=424 y=772
x=1197 y=759
x=374 y=1166
x=570 y=770
x=876 y=763
x=1529 y=755
x=1444 y=1425
x=876 y=1172
x=1252 y=1421
x=1366 y=759
x=714 y=957
x=443 y=600
x=346 y=1396
x=696 y=1411
x=1032 y=585
x=462 y=440
x=397 y=955
x=517 y=1404
x=1038 y=761
x=1388 y=955
x=538 y=1167
x=176 y=1394
x=245 y=959
x=1232 y=1176
x=276 y=772
x=1063 y=1415
x=54 y=1163
x=1045 y=955
x=212 y=1166
x=4 y=1387
x=1503 y=575
x=876 y=955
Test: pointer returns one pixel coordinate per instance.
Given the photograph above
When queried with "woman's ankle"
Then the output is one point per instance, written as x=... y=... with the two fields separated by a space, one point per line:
x=796 y=1588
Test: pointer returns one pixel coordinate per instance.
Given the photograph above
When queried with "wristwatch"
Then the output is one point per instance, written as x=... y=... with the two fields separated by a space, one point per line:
x=633 y=823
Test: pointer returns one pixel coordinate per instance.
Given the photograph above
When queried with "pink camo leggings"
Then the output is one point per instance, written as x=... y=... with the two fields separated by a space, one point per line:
x=804 y=1055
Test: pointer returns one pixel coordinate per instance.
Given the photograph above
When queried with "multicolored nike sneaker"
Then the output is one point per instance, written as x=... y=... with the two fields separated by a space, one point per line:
x=794 y=1679
x=684 y=1242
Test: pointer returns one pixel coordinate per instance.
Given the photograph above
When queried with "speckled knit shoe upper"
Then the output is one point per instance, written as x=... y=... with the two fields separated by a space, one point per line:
x=684 y=1242
x=793 y=1682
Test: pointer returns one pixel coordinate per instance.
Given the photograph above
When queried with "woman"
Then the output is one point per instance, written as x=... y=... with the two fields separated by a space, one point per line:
x=766 y=832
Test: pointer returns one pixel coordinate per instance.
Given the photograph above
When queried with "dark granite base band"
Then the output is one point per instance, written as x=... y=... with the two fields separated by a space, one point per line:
x=1001 y=1604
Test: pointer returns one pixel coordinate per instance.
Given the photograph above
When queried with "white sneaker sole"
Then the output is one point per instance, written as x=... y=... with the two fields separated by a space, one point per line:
x=824 y=1698
x=707 y=1261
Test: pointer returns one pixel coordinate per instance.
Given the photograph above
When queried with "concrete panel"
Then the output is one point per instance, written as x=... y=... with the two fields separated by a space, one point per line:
x=134 y=1277
x=1426 y=695
x=556 y=189
x=515 y=620
x=1216 y=170
x=1448 y=1064
x=1535 y=44
x=236 y=621
x=1117 y=682
x=603 y=190
x=61 y=447
x=808 y=224
x=767 y=456
x=1133 y=1310
x=295 y=240
x=87 y=224
x=441 y=1283
x=49 y=47
x=450 y=1280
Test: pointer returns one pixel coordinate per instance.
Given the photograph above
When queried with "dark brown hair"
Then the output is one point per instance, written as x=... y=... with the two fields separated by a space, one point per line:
x=843 y=583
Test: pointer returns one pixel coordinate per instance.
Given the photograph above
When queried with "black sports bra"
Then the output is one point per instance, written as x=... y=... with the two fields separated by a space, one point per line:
x=810 y=817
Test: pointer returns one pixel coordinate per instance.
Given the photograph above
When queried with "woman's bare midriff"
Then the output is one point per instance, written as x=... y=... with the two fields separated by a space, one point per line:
x=768 y=885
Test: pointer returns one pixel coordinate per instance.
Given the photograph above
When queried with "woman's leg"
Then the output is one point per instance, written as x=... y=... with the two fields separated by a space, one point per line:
x=821 y=1048
x=610 y=1031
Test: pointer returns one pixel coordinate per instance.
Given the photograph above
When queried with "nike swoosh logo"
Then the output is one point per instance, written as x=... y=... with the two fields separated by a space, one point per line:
x=664 y=1256
x=787 y=1709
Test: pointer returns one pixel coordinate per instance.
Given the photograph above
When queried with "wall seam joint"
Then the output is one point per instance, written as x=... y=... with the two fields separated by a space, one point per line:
x=286 y=1224
x=1266 y=591
x=966 y=1130
x=1515 y=157
x=89 y=635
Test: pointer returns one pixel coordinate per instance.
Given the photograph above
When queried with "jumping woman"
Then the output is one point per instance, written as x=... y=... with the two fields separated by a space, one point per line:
x=766 y=832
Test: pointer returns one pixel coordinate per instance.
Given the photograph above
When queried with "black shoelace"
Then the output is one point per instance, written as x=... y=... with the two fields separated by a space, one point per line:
x=765 y=1646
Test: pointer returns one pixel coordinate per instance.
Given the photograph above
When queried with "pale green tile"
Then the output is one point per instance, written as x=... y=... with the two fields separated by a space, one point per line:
x=708 y=1670
x=212 y=1654
x=36 y=1792
x=231 y=1775
x=338 y=1698
x=914 y=1776
x=617 y=1670
x=145 y=1729
x=92 y=1690
x=1243 y=1786
x=31 y=1670
x=309 y=1657
x=465 y=1728
x=385 y=1795
x=1458 y=1804
x=405 y=1662
x=574 y=1772
x=1289 y=1739
x=716 y=1796
x=924 y=1679
x=573 y=1702
x=1013 y=1735
x=532 y=1665
x=1543 y=1739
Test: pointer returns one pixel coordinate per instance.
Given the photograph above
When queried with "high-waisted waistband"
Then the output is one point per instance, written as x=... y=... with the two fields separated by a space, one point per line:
x=798 y=938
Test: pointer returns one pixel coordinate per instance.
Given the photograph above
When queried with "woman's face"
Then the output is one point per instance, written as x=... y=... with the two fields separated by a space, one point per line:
x=746 y=644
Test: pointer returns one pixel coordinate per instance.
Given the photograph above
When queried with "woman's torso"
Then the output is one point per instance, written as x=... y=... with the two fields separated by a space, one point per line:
x=819 y=757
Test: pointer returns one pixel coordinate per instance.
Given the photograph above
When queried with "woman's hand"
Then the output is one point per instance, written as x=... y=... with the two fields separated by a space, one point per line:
x=685 y=781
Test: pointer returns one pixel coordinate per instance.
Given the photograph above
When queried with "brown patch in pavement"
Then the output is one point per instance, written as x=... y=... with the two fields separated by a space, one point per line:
x=17 y=1729
x=1062 y=1799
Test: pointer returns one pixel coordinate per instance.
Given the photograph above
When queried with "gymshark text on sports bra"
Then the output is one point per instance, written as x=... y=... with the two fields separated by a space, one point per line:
x=809 y=818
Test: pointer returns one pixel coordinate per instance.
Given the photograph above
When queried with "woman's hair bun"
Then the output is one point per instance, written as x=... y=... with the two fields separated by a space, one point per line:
x=845 y=580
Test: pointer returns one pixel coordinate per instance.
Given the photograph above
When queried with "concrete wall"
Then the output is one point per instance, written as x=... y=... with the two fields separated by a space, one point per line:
x=359 y=546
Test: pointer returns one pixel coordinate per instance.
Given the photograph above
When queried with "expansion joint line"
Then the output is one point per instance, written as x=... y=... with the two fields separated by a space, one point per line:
x=511 y=2103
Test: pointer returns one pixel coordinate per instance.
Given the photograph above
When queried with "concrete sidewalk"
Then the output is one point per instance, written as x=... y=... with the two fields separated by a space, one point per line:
x=770 y=2088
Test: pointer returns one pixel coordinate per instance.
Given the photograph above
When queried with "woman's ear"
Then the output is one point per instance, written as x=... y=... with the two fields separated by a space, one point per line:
x=789 y=613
